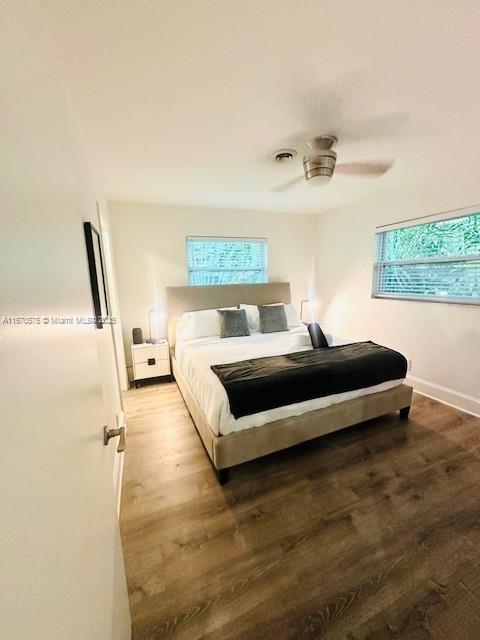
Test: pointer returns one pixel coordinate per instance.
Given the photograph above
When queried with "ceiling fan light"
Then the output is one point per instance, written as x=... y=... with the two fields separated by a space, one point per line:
x=318 y=180
x=319 y=168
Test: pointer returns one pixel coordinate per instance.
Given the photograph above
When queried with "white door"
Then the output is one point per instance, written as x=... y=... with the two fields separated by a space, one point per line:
x=110 y=351
x=109 y=372
x=61 y=566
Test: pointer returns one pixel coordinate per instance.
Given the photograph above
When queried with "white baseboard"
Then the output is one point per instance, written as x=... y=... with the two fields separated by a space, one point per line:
x=455 y=399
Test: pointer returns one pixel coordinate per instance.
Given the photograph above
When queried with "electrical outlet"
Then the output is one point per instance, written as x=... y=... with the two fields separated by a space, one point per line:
x=409 y=365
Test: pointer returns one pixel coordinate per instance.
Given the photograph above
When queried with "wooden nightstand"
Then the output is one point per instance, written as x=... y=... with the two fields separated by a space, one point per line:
x=150 y=361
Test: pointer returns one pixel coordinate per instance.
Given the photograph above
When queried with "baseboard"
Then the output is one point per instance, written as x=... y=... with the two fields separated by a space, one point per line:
x=455 y=399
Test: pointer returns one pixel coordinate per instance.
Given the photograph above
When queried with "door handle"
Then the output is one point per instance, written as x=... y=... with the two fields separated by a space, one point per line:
x=113 y=433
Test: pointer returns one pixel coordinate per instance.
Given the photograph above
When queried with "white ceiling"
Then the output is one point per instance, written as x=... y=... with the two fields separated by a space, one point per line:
x=184 y=101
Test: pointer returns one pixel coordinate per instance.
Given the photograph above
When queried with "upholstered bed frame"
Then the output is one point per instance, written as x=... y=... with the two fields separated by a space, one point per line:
x=235 y=448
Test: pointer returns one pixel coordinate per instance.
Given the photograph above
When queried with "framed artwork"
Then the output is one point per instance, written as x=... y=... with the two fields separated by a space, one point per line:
x=97 y=274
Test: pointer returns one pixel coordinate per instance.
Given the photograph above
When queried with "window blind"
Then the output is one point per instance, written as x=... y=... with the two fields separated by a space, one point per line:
x=438 y=261
x=216 y=260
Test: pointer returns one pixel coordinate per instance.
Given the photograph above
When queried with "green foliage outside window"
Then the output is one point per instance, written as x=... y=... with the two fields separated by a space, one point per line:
x=213 y=261
x=456 y=237
x=437 y=260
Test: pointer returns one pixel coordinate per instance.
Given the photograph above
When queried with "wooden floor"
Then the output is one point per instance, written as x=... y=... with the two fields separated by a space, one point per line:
x=372 y=532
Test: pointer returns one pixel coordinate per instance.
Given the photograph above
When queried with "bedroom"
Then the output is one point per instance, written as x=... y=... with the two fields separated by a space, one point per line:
x=152 y=148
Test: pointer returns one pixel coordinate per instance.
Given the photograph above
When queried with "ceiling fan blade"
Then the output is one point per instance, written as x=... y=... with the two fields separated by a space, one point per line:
x=286 y=186
x=363 y=169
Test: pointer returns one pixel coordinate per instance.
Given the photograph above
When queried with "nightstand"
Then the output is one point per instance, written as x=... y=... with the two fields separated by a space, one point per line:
x=150 y=361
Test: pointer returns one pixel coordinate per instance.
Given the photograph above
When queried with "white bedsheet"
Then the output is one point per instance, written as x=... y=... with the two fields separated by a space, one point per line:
x=195 y=357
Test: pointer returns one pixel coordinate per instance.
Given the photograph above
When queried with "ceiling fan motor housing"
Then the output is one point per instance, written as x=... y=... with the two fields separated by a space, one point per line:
x=319 y=168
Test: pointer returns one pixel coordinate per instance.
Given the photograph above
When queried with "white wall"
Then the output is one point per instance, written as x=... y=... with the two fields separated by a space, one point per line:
x=442 y=340
x=61 y=566
x=149 y=251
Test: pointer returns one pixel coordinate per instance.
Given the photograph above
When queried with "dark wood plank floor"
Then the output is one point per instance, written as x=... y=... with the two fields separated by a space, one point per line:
x=372 y=532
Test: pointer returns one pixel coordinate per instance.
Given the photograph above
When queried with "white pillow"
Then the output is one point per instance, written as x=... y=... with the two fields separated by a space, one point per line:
x=199 y=324
x=254 y=319
x=252 y=316
x=293 y=319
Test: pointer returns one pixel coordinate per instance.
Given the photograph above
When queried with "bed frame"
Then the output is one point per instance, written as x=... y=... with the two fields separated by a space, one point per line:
x=242 y=446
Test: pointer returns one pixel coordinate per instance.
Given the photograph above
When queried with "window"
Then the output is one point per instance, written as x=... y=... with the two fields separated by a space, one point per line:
x=226 y=260
x=437 y=261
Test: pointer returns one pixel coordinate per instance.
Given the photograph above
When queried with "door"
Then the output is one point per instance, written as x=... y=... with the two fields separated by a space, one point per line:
x=61 y=565
x=110 y=351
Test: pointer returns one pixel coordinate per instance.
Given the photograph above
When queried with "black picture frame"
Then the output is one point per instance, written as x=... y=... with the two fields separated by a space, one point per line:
x=97 y=274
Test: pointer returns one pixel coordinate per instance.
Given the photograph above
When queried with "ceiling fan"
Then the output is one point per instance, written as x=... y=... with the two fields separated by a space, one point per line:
x=319 y=163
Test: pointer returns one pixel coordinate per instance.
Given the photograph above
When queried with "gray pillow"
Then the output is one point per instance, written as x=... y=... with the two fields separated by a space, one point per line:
x=233 y=323
x=272 y=318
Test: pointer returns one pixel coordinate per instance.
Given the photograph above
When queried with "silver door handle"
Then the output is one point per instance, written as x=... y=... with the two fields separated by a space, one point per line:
x=113 y=433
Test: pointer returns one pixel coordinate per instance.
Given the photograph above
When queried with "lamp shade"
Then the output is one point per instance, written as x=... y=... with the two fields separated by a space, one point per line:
x=305 y=311
x=156 y=323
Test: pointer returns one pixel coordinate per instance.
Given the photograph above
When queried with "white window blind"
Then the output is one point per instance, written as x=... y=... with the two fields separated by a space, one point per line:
x=437 y=261
x=216 y=260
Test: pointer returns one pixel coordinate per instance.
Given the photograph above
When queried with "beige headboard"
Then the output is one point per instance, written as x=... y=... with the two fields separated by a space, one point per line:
x=181 y=299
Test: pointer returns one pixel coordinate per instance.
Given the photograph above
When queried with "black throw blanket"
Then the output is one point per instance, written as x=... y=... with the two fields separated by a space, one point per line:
x=265 y=383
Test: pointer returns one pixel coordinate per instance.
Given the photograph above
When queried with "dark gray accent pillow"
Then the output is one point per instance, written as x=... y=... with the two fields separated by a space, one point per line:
x=272 y=318
x=233 y=323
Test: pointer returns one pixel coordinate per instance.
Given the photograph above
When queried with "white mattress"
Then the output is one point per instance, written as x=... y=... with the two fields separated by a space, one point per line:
x=195 y=357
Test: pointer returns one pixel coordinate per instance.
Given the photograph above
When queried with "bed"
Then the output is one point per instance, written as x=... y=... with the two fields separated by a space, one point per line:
x=229 y=441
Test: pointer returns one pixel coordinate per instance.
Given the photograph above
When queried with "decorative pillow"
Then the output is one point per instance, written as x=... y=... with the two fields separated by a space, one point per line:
x=319 y=340
x=272 y=318
x=233 y=323
x=198 y=324
x=254 y=320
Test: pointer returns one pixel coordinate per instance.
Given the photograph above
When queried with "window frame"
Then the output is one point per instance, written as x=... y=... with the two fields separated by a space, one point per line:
x=259 y=240
x=378 y=263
